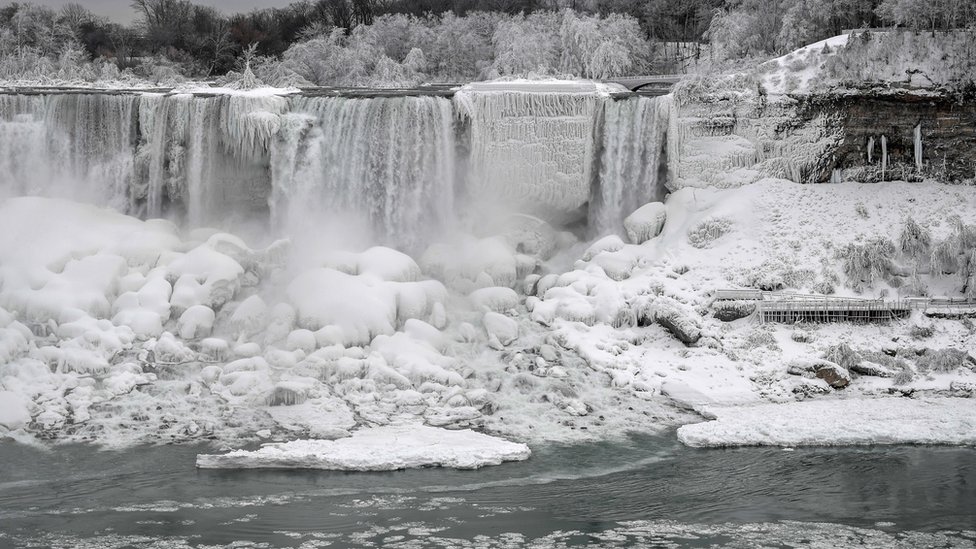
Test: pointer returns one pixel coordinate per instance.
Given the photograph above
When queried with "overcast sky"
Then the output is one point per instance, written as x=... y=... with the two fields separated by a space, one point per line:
x=121 y=10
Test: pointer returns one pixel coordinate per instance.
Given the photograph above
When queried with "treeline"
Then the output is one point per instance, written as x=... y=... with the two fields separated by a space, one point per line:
x=753 y=27
x=400 y=42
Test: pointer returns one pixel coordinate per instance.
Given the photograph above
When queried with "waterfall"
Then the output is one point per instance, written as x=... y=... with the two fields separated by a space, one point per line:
x=388 y=161
x=207 y=154
x=636 y=162
x=871 y=150
x=69 y=145
x=383 y=169
x=531 y=151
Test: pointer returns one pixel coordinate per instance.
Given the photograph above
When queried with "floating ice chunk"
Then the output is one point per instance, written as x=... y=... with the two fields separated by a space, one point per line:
x=14 y=411
x=832 y=422
x=196 y=322
x=646 y=222
x=378 y=449
x=496 y=299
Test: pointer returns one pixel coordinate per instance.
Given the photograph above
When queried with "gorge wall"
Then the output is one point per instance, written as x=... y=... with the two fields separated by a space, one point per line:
x=863 y=136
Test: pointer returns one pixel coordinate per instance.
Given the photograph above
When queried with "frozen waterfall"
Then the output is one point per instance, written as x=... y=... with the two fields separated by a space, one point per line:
x=636 y=161
x=391 y=170
x=68 y=145
x=386 y=161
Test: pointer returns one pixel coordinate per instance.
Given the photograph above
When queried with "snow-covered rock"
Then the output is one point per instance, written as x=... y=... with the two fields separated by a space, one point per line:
x=196 y=322
x=377 y=449
x=14 y=411
x=646 y=222
x=503 y=328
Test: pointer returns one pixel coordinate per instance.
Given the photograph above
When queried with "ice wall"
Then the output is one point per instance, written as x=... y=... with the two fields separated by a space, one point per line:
x=386 y=161
x=532 y=146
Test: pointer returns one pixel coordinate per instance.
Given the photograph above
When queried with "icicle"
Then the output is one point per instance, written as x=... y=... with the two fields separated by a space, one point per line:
x=871 y=150
x=918 y=147
x=884 y=156
x=250 y=124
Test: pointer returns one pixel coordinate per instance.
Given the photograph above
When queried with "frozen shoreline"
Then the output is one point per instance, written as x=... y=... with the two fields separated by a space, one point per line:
x=838 y=422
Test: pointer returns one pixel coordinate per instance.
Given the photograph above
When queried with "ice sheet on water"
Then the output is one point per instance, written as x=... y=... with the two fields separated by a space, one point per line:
x=378 y=449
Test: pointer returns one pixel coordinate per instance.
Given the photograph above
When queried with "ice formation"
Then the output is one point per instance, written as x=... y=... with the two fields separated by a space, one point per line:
x=838 y=422
x=377 y=449
x=121 y=330
x=389 y=160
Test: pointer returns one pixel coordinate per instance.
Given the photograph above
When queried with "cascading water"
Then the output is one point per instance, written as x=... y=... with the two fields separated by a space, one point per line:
x=389 y=161
x=389 y=164
x=635 y=164
x=69 y=145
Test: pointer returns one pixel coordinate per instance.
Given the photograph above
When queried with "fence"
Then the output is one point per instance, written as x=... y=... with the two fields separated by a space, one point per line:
x=784 y=307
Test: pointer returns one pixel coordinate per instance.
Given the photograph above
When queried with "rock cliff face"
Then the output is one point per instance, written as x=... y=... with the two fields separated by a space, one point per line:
x=864 y=136
x=944 y=128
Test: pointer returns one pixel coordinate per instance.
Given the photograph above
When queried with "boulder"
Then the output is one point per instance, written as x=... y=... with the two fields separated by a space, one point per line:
x=868 y=368
x=646 y=222
x=503 y=328
x=835 y=375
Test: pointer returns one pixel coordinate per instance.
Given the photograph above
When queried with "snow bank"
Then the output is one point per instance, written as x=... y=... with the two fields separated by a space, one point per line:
x=836 y=422
x=377 y=449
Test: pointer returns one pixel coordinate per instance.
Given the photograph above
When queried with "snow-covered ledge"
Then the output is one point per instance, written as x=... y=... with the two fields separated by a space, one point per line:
x=377 y=449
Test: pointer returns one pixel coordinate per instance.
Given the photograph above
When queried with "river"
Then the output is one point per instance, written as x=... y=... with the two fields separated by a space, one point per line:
x=643 y=491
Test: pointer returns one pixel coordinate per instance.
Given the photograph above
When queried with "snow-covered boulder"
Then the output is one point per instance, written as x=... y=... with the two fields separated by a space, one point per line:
x=196 y=322
x=14 y=412
x=361 y=311
x=610 y=243
x=496 y=299
x=250 y=316
x=499 y=326
x=646 y=222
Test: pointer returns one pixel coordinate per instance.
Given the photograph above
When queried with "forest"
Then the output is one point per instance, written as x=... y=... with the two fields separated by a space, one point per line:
x=396 y=43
